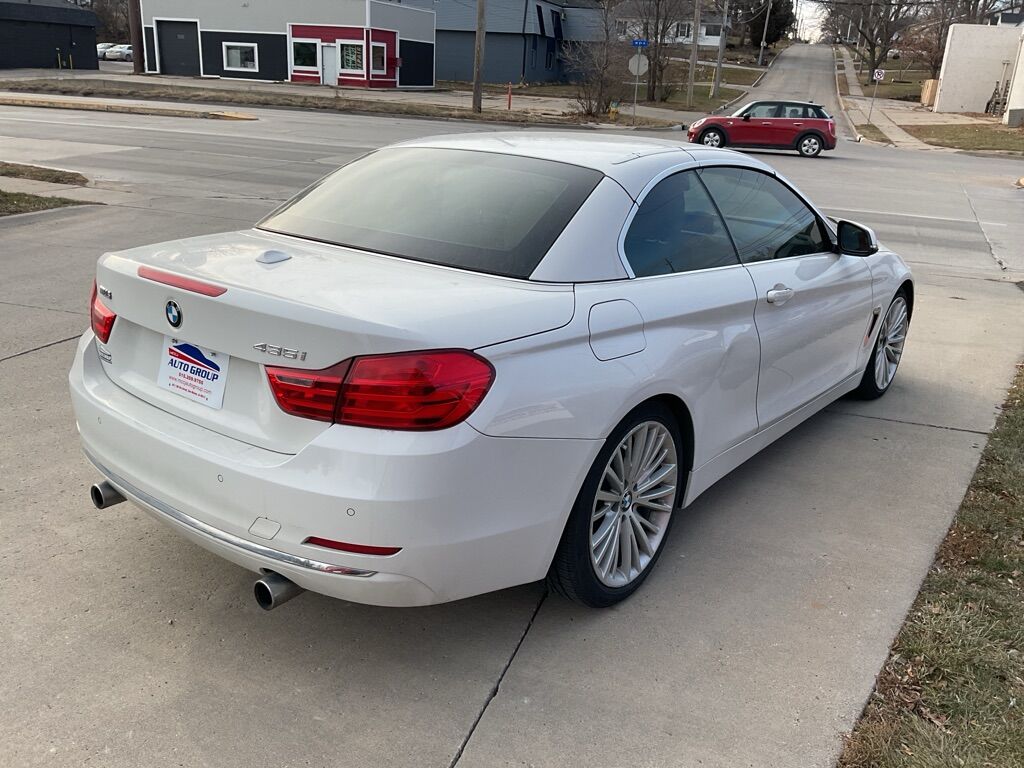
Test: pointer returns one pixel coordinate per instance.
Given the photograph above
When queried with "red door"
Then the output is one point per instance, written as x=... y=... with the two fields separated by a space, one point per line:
x=790 y=124
x=756 y=127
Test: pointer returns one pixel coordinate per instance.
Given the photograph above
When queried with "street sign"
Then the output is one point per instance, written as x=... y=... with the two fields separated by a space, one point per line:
x=638 y=64
x=641 y=43
x=878 y=75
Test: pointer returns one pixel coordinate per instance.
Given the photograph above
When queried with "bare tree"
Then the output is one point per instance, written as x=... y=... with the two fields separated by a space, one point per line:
x=877 y=23
x=113 y=19
x=595 y=64
x=659 y=21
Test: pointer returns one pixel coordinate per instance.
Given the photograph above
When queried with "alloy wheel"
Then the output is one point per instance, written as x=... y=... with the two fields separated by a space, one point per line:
x=810 y=146
x=712 y=139
x=633 y=504
x=891 y=337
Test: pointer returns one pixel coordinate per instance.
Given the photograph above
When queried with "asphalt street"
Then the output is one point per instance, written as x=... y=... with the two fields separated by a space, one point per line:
x=754 y=643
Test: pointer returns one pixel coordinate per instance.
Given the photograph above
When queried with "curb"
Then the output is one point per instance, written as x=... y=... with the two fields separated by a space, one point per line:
x=131 y=109
x=14 y=217
x=738 y=99
x=839 y=96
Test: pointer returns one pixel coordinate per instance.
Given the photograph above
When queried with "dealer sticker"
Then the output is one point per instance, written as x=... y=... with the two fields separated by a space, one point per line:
x=193 y=372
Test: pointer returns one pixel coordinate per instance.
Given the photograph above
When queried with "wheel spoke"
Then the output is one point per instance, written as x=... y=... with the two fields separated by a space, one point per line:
x=609 y=497
x=600 y=514
x=655 y=478
x=625 y=549
x=642 y=540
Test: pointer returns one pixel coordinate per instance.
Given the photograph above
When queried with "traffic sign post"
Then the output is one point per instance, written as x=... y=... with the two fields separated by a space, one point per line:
x=637 y=66
x=641 y=43
x=877 y=75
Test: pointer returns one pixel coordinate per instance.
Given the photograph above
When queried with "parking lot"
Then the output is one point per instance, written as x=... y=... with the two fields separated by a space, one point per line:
x=755 y=642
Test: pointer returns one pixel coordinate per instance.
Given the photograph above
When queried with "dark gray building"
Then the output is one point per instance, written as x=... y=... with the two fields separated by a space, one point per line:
x=46 y=33
x=524 y=37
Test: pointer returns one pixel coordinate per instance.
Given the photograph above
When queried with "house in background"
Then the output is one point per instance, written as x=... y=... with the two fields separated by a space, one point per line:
x=629 y=25
x=524 y=37
x=356 y=43
x=1006 y=18
x=46 y=33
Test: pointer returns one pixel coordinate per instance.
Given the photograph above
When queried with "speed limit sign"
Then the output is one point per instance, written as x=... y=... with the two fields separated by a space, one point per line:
x=878 y=75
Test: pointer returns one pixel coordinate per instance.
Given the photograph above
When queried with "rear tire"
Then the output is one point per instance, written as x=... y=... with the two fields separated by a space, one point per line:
x=622 y=515
x=809 y=145
x=712 y=137
x=887 y=350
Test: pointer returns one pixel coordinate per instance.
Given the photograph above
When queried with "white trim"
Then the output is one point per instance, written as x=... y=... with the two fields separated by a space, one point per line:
x=342 y=72
x=224 y=56
x=242 y=32
x=156 y=40
x=374 y=44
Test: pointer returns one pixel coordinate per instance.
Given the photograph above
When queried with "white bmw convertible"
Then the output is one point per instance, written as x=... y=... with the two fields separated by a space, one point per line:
x=464 y=363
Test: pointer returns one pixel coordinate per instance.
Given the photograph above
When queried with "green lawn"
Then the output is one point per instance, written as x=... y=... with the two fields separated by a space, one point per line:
x=907 y=91
x=970 y=136
x=18 y=202
x=952 y=690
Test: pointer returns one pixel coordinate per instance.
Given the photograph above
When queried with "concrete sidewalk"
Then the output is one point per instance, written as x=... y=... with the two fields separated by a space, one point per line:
x=495 y=103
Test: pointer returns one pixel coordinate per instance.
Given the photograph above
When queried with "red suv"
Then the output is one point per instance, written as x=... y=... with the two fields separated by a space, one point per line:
x=798 y=125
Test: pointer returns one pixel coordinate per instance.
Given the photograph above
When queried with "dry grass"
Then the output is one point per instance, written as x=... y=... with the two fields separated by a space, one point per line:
x=163 y=92
x=975 y=136
x=35 y=173
x=952 y=690
x=18 y=202
x=872 y=132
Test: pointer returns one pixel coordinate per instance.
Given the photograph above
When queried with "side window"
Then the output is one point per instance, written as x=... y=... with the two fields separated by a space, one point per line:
x=764 y=110
x=794 y=111
x=677 y=229
x=766 y=219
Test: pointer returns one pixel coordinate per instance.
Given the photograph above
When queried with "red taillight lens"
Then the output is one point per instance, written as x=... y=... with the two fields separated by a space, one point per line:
x=359 y=549
x=102 y=318
x=310 y=394
x=408 y=391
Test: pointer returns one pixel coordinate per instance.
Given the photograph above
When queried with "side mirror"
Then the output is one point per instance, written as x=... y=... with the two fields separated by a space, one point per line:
x=746 y=118
x=856 y=240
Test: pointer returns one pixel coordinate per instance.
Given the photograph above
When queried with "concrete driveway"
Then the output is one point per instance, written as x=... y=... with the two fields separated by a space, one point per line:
x=754 y=643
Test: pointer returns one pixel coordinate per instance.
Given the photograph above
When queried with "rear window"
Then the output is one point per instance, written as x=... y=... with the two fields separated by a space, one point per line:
x=480 y=211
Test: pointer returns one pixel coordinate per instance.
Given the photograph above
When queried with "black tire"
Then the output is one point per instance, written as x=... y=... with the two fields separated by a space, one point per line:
x=712 y=134
x=809 y=145
x=869 y=388
x=572 y=573
x=128 y=57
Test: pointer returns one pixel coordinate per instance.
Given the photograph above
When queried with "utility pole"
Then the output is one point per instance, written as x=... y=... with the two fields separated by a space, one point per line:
x=764 y=35
x=135 y=33
x=695 y=36
x=478 y=56
x=721 y=51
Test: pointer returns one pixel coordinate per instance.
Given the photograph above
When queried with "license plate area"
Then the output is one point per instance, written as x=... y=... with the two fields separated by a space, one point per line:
x=193 y=372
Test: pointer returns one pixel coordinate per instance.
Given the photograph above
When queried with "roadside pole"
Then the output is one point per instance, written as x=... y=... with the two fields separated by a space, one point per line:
x=135 y=33
x=721 y=51
x=637 y=66
x=694 y=57
x=764 y=35
x=878 y=74
x=478 y=56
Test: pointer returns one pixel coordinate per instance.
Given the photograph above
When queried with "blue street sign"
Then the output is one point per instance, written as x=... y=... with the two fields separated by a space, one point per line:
x=640 y=43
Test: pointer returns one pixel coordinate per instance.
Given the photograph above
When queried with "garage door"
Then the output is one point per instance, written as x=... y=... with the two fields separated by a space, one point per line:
x=178 y=46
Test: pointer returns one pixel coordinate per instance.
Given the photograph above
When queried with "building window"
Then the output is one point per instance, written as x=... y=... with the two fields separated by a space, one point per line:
x=351 y=55
x=540 y=21
x=621 y=27
x=378 y=58
x=683 y=30
x=549 y=59
x=713 y=30
x=533 y=52
x=241 y=57
x=305 y=54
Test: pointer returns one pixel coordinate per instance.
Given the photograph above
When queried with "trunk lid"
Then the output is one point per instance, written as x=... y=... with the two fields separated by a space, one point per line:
x=291 y=302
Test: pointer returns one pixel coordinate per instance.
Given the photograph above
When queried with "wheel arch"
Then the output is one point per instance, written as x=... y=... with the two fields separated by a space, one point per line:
x=683 y=418
x=907 y=286
x=810 y=132
x=715 y=127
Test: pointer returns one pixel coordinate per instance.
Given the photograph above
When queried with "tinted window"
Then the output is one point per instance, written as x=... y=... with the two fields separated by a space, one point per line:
x=766 y=219
x=794 y=111
x=819 y=113
x=765 y=110
x=476 y=210
x=677 y=229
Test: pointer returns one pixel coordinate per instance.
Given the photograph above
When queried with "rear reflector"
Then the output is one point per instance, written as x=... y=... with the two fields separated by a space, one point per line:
x=407 y=391
x=101 y=317
x=180 y=281
x=359 y=549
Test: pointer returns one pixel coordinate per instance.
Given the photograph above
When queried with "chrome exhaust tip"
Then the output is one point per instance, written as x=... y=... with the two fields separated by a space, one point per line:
x=105 y=495
x=274 y=590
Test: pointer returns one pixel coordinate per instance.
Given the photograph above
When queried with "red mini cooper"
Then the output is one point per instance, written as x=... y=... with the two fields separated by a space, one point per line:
x=798 y=125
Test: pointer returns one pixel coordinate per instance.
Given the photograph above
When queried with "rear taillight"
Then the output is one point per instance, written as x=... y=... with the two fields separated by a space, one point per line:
x=831 y=128
x=102 y=318
x=408 y=391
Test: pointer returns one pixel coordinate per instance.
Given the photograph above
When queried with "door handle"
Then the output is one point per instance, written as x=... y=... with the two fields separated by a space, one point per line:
x=765 y=123
x=779 y=295
x=797 y=124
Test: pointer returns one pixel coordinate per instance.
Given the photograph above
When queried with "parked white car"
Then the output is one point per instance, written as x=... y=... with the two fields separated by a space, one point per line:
x=508 y=357
x=101 y=49
x=118 y=53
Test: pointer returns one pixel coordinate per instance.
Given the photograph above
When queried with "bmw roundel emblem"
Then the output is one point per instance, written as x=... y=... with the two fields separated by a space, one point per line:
x=173 y=313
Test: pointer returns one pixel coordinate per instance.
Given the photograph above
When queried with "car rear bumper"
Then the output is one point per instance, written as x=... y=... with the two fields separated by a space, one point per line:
x=471 y=513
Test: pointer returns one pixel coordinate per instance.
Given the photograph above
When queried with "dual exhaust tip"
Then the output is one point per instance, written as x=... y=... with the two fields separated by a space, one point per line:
x=270 y=591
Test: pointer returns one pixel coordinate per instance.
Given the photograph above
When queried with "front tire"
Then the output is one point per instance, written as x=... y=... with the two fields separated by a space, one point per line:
x=809 y=145
x=618 y=525
x=712 y=137
x=887 y=351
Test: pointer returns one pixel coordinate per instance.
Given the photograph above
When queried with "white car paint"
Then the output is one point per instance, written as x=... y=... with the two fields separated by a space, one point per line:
x=481 y=505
